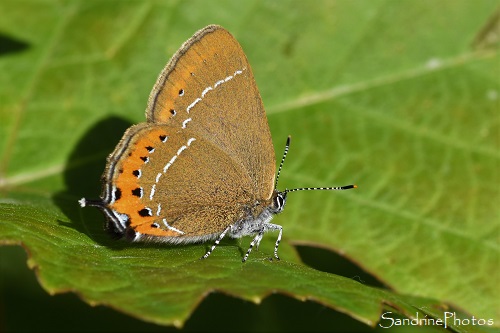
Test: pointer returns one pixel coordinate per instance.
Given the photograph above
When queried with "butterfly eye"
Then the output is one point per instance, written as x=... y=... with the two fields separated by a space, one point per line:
x=279 y=202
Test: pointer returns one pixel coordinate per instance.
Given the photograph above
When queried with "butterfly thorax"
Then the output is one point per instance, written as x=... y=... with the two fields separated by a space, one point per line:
x=258 y=217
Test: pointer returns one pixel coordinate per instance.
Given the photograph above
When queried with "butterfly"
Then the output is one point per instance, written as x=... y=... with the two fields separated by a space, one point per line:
x=203 y=165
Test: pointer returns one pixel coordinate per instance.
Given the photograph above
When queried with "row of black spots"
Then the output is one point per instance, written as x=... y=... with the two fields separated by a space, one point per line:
x=134 y=172
x=172 y=111
x=138 y=192
x=145 y=212
x=150 y=150
x=131 y=234
x=117 y=194
x=145 y=159
x=181 y=93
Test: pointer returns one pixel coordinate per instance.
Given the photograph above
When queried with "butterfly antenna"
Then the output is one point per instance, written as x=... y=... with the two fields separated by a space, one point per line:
x=335 y=188
x=282 y=160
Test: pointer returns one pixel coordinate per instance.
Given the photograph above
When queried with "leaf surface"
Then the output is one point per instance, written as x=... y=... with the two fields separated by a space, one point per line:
x=394 y=97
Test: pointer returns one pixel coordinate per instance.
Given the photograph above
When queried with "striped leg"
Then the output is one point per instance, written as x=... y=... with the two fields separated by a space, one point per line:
x=217 y=241
x=256 y=240
x=280 y=228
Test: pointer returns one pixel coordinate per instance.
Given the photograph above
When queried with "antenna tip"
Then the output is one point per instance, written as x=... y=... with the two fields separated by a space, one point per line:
x=354 y=186
x=348 y=187
x=94 y=203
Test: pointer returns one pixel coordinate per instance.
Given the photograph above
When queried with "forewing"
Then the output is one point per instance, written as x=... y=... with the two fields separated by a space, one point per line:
x=208 y=87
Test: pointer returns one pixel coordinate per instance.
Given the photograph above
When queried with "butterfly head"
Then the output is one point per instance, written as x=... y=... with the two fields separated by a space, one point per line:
x=279 y=201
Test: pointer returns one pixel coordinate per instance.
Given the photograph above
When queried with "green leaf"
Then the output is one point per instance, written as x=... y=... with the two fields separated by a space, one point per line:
x=393 y=96
x=164 y=284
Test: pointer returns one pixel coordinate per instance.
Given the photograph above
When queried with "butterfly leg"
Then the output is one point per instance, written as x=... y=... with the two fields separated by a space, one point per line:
x=280 y=228
x=258 y=238
x=217 y=241
x=272 y=227
x=255 y=241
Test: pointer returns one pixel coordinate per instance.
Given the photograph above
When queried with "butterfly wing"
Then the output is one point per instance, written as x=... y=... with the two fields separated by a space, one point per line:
x=173 y=185
x=208 y=87
x=205 y=157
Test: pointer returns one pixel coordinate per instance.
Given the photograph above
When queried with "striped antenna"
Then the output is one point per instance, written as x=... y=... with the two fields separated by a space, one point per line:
x=335 y=188
x=287 y=145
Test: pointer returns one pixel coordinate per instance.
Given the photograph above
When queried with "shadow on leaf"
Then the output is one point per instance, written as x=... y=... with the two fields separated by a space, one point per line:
x=329 y=261
x=10 y=44
x=82 y=177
